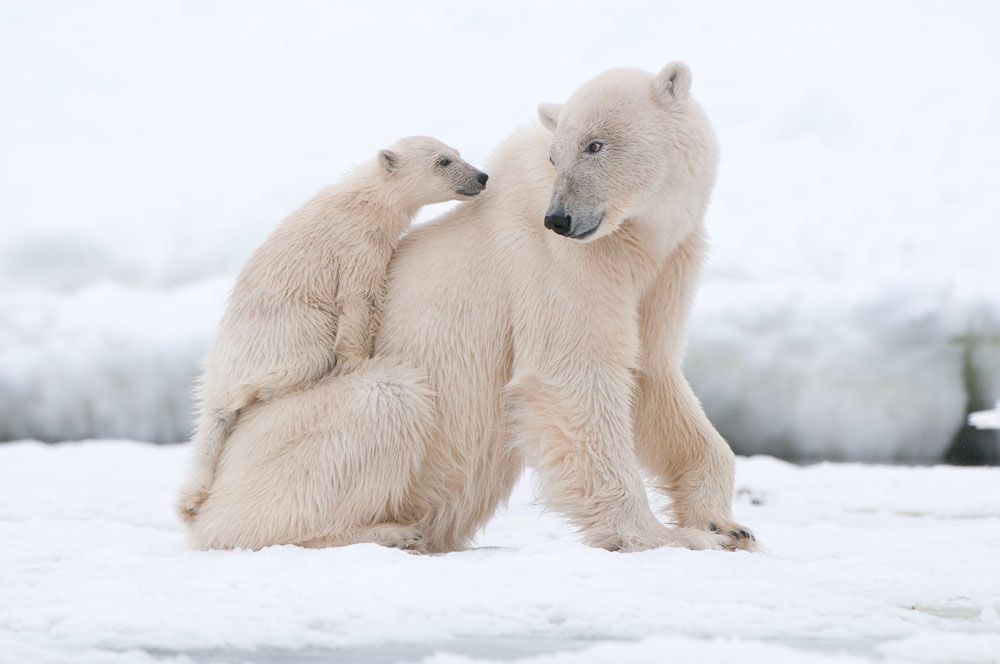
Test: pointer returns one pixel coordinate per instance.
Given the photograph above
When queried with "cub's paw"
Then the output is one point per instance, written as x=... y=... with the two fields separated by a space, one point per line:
x=189 y=502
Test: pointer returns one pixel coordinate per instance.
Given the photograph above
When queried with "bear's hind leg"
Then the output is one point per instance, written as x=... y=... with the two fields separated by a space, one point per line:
x=214 y=426
x=320 y=466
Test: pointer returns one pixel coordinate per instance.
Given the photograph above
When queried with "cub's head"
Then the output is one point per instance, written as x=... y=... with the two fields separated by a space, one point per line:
x=622 y=146
x=427 y=171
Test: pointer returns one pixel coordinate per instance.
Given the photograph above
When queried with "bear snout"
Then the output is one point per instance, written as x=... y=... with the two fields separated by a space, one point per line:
x=559 y=222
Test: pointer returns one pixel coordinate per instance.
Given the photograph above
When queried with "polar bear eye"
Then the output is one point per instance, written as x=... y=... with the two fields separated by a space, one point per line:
x=444 y=161
x=595 y=146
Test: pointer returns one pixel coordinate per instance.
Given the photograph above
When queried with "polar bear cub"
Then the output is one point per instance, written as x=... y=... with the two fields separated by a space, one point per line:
x=309 y=300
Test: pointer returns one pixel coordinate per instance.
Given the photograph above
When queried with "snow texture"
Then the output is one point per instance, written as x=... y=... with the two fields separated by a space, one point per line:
x=851 y=308
x=860 y=563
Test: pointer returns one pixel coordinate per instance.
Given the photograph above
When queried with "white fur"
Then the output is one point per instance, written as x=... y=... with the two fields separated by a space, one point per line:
x=309 y=299
x=539 y=349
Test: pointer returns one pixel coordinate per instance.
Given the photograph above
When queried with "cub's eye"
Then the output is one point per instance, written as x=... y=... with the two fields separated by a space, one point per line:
x=552 y=161
x=595 y=146
x=444 y=161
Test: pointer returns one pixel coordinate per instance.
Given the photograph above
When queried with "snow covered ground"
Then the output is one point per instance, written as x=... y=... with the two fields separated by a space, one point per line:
x=861 y=563
x=851 y=308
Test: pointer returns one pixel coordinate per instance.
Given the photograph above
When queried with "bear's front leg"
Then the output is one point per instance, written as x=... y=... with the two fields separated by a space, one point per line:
x=678 y=445
x=580 y=443
x=354 y=331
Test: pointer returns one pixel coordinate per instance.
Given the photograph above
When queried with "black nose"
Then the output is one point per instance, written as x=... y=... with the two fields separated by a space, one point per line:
x=559 y=223
x=482 y=177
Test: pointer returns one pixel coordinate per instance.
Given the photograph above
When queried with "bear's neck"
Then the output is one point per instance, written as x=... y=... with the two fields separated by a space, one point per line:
x=378 y=198
x=629 y=260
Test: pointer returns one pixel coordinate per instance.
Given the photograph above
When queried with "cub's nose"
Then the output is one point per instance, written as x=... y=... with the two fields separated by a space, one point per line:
x=558 y=223
x=482 y=177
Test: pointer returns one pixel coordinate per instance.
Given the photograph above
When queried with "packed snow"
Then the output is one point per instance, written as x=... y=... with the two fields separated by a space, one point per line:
x=851 y=308
x=860 y=563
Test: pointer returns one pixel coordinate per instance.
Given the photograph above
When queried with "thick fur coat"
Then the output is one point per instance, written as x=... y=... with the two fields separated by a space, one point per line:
x=308 y=302
x=504 y=343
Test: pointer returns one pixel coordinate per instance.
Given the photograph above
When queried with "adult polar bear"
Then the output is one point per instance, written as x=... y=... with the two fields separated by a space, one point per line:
x=504 y=342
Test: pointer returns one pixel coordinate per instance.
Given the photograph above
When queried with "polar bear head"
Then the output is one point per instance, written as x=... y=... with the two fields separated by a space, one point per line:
x=423 y=171
x=626 y=146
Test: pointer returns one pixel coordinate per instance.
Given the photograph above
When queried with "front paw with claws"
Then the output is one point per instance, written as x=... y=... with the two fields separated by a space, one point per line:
x=738 y=537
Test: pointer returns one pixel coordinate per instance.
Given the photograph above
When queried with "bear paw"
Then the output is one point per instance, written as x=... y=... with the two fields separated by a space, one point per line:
x=398 y=536
x=188 y=503
x=681 y=538
x=738 y=537
x=720 y=522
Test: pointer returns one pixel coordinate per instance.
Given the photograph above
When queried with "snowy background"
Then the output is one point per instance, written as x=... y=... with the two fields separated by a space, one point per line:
x=851 y=309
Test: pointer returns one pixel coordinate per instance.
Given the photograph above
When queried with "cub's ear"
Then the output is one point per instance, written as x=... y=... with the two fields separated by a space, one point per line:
x=673 y=81
x=389 y=160
x=549 y=115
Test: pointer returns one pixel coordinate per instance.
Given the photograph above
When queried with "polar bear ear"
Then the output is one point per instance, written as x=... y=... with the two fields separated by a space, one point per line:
x=388 y=160
x=673 y=81
x=549 y=115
